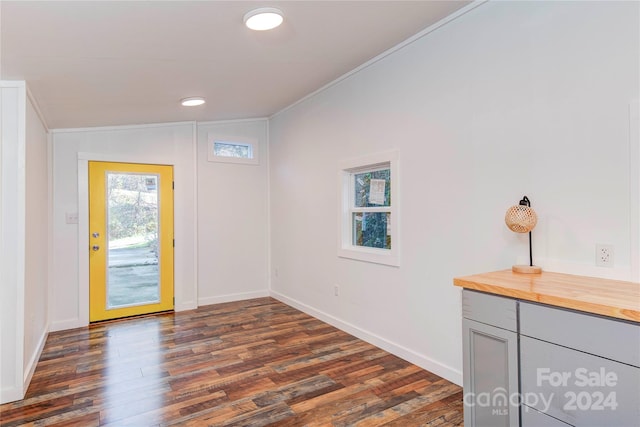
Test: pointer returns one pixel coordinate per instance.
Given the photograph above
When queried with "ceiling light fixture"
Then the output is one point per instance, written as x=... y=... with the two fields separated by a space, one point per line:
x=264 y=18
x=192 y=102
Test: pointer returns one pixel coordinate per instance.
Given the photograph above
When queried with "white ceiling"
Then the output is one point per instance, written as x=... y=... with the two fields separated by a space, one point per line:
x=99 y=63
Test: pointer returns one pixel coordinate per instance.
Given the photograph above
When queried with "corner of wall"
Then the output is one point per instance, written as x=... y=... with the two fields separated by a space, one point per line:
x=30 y=368
x=12 y=228
x=36 y=107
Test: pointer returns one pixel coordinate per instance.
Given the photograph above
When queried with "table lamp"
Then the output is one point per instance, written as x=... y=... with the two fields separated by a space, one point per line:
x=522 y=219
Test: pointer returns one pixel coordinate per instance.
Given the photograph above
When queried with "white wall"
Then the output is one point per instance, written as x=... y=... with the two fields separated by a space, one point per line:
x=511 y=98
x=12 y=225
x=220 y=211
x=172 y=144
x=24 y=239
x=36 y=319
x=232 y=217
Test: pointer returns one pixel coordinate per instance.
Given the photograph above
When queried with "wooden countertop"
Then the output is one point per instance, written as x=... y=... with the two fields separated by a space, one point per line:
x=613 y=298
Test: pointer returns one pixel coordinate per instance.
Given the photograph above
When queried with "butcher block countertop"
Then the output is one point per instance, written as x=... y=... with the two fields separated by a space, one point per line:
x=613 y=298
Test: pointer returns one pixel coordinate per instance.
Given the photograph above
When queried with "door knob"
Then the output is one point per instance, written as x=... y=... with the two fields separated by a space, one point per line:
x=95 y=247
x=95 y=235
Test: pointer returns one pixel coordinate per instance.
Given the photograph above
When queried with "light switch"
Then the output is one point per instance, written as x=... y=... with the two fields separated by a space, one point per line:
x=71 y=217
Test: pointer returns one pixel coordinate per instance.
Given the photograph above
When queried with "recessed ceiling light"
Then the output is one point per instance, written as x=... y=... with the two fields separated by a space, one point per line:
x=193 y=101
x=264 y=18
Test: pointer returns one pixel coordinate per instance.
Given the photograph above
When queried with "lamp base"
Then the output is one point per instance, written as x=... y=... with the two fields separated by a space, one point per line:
x=527 y=269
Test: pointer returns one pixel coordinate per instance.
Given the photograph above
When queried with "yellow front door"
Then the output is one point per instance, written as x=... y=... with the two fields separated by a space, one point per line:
x=130 y=239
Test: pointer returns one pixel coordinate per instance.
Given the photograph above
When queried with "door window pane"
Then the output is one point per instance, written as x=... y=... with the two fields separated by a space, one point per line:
x=132 y=220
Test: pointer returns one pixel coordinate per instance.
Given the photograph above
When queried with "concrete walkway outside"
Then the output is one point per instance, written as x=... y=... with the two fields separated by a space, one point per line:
x=133 y=276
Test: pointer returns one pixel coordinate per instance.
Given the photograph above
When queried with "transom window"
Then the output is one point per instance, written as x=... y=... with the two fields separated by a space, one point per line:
x=232 y=149
x=228 y=150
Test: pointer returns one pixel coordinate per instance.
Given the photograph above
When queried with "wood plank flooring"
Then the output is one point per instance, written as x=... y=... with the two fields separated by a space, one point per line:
x=249 y=363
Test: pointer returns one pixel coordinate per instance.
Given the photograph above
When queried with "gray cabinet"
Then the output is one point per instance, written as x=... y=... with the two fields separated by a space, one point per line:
x=533 y=365
x=490 y=373
x=578 y=368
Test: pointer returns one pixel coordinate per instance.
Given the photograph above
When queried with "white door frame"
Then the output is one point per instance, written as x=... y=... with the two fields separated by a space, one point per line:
x=83 y=223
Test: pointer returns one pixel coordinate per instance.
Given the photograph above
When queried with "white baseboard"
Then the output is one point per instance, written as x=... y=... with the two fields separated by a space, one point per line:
x=10 y=394
x=63 y=325
x=232 y=297
x=13 y=394
x=438 y=368
x=33 y=361
x=189 y=305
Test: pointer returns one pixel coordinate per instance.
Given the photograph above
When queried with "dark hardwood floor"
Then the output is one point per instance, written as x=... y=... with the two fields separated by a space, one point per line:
x=250 y=363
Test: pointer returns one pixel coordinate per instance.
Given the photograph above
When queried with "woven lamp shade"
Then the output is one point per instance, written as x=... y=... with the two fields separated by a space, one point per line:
x=520 y=218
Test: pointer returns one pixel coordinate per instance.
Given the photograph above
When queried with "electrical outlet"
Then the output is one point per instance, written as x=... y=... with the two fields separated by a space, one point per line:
x=336 y=290
x=604 y=255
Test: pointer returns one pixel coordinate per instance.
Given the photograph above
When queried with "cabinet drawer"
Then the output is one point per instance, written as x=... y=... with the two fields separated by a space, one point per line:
x=490 y=309
x=578 y=388
x=613 y=339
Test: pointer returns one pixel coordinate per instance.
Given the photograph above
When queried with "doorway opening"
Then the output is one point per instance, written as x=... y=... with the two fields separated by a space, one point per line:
x=131 y=239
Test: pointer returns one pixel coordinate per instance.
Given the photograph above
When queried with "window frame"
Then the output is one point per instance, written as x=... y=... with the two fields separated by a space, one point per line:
x=346 y=188
x=214 y=138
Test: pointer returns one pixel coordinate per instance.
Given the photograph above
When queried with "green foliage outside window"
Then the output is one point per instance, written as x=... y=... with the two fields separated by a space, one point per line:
x=362 y=182
x=370 y=229
x=133 y=207
x=230 y=149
